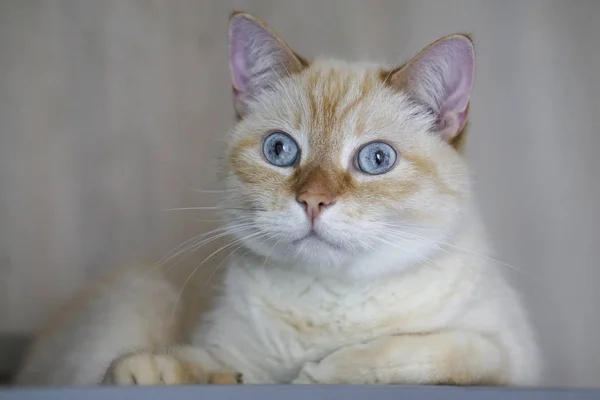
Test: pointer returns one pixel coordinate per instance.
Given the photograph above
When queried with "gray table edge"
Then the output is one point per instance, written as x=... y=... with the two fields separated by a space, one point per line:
x=293 y=392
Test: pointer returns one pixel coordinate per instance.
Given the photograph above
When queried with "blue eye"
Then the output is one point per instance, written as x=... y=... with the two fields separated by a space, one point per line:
x=280 y=149
x=376 y=158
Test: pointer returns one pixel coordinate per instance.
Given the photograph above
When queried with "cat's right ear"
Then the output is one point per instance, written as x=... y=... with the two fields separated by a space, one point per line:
x=441 y=77
x=257 y=58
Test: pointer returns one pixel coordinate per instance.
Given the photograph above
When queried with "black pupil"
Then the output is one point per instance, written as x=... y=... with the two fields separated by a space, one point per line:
x=379 y=157
x=279 y=147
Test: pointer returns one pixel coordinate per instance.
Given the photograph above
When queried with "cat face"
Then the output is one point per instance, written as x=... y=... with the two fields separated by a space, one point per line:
x=333 y=162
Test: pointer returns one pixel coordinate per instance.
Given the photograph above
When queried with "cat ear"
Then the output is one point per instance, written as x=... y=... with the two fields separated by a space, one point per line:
x=441 y=77
x=257 y=58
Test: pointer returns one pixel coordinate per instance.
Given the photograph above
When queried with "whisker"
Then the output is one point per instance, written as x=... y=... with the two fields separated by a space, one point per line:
x=233 y=252
x=403 y=248
x=205 y=220
x=272 y=248
x=214 y=191
x=206 y=259
x=196 y=246
x=219 y=232
x=173 y=252
x=193 y=208
x=232 y=223
x=214 y=208
x=366 y=244
x=403 y=234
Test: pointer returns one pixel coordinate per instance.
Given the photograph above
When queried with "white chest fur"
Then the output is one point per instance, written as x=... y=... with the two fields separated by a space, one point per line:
x=271 y=320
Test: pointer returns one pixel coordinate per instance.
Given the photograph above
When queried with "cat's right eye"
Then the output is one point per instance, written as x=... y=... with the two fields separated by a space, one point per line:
x=376 y=158
x=280 y=149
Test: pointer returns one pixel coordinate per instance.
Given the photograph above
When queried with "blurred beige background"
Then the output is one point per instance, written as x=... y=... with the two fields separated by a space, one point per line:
x=112 y=111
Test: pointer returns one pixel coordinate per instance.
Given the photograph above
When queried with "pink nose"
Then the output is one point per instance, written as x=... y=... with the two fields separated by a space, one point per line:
x=314 y=203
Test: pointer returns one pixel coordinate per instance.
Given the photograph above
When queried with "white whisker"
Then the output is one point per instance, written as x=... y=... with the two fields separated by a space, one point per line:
x=206 y=259
x=214 y=191
x=196 y=246
x=404 y=248
x=191 y=240
x=407 y=235
x=193 y=208
x=233 y=252
x=272 y=248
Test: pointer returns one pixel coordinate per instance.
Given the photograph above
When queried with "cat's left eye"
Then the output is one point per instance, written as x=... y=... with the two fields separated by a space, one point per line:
x=280 y=149
x=376 y=158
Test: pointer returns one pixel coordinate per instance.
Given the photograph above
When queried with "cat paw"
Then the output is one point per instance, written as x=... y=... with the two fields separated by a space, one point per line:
x=324 y=373
x=330 y=372
x=308 y=375
x=149 y=368
x=225 y=379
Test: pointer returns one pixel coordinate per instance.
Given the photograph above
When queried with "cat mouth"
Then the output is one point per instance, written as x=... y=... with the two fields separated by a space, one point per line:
x=314 y=236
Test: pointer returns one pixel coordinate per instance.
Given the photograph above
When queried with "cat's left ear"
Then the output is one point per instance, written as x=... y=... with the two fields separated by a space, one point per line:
x=257 y=58
x=441 y=76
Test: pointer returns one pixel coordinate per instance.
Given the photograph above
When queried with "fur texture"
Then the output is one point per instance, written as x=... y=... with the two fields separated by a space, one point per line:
x=386 y=280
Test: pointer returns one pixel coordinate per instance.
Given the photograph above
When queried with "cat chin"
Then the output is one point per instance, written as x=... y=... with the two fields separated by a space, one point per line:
x=320 y=259
x=310 y=253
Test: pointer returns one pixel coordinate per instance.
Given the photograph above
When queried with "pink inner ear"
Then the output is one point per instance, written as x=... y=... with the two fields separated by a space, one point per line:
x=257 y=59
x=442 y=77
x=243 y=35
x=238 y=66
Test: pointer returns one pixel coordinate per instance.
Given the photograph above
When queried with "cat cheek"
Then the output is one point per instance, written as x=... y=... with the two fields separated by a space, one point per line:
x=355 y=212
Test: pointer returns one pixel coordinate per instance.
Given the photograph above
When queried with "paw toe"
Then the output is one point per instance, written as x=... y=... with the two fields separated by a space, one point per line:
x=225 y=379
x=147 y=369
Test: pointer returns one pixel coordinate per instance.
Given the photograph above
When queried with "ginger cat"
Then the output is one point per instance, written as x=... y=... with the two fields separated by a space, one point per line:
x=365 y=256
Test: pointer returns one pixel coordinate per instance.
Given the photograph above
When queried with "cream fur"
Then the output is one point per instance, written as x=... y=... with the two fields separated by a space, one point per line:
x=375 y=308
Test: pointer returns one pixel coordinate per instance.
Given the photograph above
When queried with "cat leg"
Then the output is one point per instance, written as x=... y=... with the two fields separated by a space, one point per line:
x=448 y=358
x=171 y=366
x=129 y=310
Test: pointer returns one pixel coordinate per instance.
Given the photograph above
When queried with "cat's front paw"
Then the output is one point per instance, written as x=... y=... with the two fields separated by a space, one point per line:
x=327 y=373
x=147 y=368
x=307 y=375
x=346 y=366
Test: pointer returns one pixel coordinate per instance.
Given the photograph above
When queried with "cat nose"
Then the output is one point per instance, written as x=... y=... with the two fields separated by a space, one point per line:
x=314 y=203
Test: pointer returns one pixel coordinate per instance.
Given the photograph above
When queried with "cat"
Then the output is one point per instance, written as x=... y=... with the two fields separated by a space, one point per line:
x=366 y=257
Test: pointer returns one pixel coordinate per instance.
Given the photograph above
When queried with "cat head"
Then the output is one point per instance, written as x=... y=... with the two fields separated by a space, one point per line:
x=333 y=162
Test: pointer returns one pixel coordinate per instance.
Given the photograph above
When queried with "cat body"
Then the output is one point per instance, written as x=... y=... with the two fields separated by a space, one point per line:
x=289 y=322
x=366 y=258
